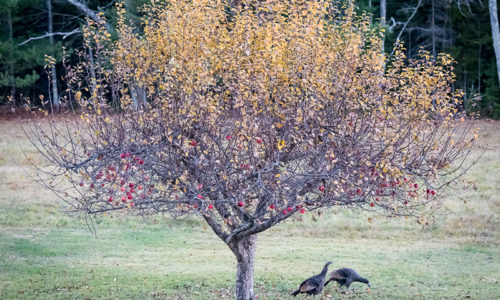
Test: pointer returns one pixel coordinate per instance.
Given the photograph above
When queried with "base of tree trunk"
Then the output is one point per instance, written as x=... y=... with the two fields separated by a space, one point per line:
x=244 y=250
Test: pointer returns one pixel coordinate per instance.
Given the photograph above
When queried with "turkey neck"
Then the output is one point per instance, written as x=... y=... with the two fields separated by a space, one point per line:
x=325 y=269
x=362 y=279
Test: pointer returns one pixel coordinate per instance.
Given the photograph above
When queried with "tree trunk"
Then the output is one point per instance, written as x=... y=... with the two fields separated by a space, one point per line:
x=433 y=30
x=244 y=250
x=93 y=78
x=12 y=76
x=383 y=17
x=495 y=32
x=53 y=74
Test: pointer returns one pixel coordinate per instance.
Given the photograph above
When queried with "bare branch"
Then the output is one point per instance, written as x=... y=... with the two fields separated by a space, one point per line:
x=64 y=36
x=90 y=13
x=398 y=38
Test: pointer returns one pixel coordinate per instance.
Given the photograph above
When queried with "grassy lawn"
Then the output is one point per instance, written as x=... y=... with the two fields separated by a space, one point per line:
x=47 y=254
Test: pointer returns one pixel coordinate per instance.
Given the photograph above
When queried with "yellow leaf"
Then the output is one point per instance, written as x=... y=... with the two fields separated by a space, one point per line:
x=281 y=144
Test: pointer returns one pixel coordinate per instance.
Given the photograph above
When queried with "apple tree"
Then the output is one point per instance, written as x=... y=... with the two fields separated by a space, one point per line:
x=248 y=118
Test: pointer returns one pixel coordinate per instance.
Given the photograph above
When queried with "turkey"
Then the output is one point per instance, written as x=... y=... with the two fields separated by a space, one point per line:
x=346 y=276
x=313 y=285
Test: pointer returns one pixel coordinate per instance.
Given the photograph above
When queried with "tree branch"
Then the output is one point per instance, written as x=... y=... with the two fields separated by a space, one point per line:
x=64 y=34
x=404 y=26
x=90 y=13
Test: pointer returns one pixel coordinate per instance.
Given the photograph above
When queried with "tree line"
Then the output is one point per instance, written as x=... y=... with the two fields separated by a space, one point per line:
x=39 y=33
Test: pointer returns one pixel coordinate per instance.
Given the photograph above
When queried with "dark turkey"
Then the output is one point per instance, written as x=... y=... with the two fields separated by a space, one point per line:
x=346 y=276
x=313 y=285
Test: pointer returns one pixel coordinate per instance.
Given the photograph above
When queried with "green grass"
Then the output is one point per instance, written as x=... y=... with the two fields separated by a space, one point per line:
x=46 y=254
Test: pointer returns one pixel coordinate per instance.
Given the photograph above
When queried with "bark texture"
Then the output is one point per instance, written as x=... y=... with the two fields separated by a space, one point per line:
x=244 y=250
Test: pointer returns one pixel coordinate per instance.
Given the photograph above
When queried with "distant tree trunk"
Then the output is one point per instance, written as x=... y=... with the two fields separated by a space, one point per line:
x=11 y=57
x=383 y=17
x=244 y=250
x=53 y=74
x=480 y=48
x=93 y=78
x=409 y=43
x=433 y=21
x=495 y=32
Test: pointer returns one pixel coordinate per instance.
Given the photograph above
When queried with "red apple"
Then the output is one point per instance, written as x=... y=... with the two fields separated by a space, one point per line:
x=415 y=186
x=122 y=155
x=124 y=199
x=272 y=206
x=210 y=206
x=123 y=189
x=406 y=202
x=110 y=199
x=131 y=185
x=228 y=137
x=200 y=197
x=81 y=183
x=193 y=143
x=132 y=204
x=129 y=196
x=358 y=191
x=285 y=212
x=139 y=187
x=302 y=211
x=92 y=185
x=290 y=208
x=258 y=140
x=372 y=204
x=132 y=190
x=321 y=188
x=141 y=162
x=241 y=203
